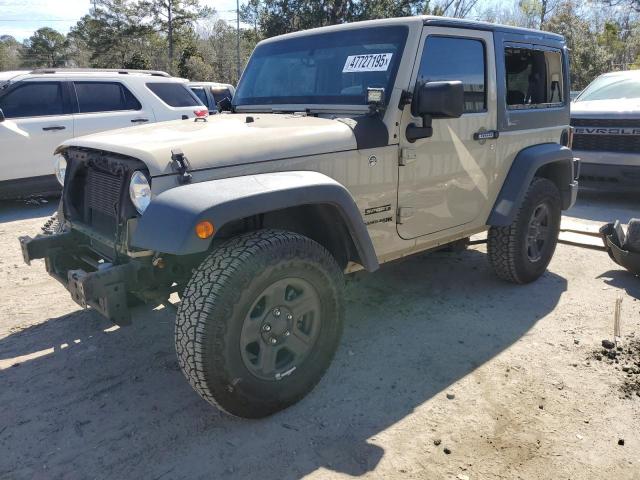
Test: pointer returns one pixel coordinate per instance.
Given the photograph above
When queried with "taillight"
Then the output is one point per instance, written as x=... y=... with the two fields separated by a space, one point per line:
x=202 y=113
x=570 y=144
x=566 y=139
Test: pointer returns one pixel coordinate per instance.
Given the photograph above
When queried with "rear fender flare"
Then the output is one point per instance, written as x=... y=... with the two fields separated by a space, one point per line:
x=555 y=160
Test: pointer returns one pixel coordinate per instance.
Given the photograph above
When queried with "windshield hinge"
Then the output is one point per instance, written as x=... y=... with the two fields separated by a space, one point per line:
x=180 y=165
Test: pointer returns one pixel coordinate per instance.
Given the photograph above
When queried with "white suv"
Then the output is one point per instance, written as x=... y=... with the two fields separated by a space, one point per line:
x=42 y=108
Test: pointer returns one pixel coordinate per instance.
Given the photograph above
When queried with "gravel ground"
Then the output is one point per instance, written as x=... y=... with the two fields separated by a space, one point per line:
x=437 y=356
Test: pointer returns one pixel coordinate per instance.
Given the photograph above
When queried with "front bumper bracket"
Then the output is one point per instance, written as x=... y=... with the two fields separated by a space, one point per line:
x=104 y=289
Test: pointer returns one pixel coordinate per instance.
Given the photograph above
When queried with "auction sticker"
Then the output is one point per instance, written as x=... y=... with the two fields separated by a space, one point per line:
x=374 y=62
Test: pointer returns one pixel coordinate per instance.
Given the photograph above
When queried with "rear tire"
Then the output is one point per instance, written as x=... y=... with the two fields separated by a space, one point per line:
x=260 y=321
x=521 y=252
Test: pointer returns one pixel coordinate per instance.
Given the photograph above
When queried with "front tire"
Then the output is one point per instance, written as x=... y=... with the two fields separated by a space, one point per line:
x=260 y=321
x=521 y=252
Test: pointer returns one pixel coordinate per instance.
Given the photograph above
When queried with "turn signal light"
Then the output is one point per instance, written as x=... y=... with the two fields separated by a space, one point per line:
x=204 y=229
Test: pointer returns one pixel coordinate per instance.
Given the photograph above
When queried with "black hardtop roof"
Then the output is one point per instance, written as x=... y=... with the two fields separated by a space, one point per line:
x=493 y=27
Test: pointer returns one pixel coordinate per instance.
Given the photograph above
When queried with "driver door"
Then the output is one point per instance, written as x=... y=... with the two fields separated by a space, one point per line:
x=444 y=180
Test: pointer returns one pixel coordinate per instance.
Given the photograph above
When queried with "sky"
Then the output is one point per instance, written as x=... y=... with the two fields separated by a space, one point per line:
x=20 y=18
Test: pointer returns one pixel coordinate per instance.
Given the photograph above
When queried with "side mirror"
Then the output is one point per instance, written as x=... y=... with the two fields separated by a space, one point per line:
x=1 y=116
x=435 y=100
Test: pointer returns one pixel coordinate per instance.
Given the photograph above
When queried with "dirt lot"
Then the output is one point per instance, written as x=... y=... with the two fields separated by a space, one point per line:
x=80 y=399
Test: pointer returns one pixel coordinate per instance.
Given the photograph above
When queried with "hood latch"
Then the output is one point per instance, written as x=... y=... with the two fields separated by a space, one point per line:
x=181 y=165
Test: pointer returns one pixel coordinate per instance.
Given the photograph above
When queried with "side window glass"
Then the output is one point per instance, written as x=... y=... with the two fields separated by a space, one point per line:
x=451 y=59
x=201 y=94
x=220 y=94
x=104 y=97
x=33 y=99
x=534 y=78
x=174 y=94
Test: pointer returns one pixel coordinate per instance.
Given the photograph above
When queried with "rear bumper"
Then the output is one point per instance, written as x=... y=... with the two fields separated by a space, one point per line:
x=570 y=194
x=103 y=287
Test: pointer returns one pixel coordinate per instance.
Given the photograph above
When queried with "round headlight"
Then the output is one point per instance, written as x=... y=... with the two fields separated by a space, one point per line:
x=140 y=191
x=60 y=168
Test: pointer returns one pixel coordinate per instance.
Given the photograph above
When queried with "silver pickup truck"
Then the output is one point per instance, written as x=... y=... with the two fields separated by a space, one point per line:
x=606 y=122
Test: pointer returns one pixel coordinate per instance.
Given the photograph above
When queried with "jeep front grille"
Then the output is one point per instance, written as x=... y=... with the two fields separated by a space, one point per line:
x=95 y=192
x=103 y=192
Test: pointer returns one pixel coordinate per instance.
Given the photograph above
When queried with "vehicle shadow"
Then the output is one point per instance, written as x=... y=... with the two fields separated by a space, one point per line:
x=113 y=404
x=623 y=279
x=605 y=206
x=12 y=210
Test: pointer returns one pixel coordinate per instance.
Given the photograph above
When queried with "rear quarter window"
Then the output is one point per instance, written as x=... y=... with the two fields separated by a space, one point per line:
x=174 y=94
x=220 y=94
x=534 y=78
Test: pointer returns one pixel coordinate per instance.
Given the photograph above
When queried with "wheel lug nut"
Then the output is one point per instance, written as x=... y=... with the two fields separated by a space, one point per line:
x=266 y=327
x=273 y=340
x=287 y=333
x=276 y=312
x=289 y=317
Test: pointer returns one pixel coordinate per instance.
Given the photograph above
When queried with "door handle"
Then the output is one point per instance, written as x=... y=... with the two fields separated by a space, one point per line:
x=139 y=120
x=56 y=127
x=486 y=135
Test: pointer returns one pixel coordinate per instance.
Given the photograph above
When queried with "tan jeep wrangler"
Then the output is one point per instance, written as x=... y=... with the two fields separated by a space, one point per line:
x=348 y=146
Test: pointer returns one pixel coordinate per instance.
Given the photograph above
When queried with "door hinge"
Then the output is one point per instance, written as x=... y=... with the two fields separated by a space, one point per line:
x=404 y=213
x=407 y=156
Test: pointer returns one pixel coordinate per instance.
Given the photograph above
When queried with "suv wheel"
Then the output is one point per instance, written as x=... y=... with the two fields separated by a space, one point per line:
x=521 y=252
x=260 y=321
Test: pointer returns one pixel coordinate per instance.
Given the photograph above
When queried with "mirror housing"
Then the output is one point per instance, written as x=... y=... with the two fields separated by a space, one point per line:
x=2 y=118
x=435 y=100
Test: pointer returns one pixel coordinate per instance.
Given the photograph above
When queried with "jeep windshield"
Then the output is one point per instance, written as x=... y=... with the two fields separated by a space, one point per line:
x=612 y=87
x=324 y=69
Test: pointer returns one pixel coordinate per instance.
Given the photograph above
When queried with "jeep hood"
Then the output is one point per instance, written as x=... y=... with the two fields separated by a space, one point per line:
x=223 y=140
x=605 y=109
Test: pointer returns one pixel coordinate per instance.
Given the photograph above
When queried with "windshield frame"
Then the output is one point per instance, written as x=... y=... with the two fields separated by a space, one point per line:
x=317 y=104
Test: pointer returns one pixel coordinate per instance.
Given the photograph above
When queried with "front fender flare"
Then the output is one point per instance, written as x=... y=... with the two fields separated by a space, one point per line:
x=167 y=225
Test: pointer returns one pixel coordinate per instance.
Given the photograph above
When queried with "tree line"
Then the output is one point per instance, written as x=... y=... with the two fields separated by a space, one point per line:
x=190 y=40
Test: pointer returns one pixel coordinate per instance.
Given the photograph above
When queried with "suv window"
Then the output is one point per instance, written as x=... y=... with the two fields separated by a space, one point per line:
x=104 y=97
x=201 y=94
x=220 y=93
x=174 y=94
x=33 y=99
x=451 y=59
x=534 y=78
